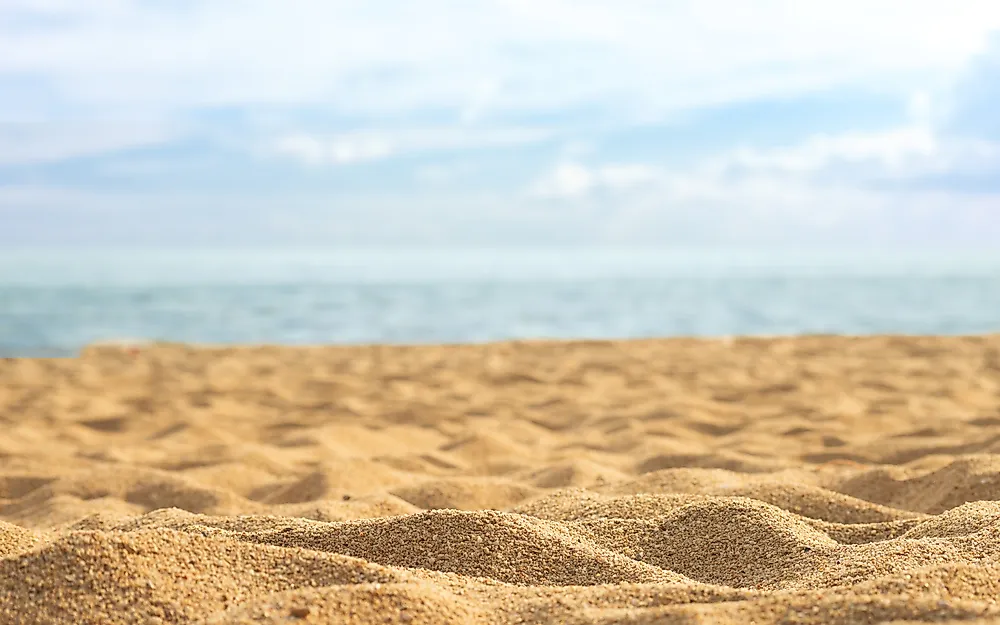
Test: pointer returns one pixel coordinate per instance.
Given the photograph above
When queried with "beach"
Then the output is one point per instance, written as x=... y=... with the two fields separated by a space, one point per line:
x=814 y=479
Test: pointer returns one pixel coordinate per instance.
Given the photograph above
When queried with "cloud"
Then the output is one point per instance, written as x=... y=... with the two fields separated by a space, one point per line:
x=776 y=208
x=907 y=153
x=343 y=150
x=488 y=58
x=902 y=184
x=445 y=120
x=483 y=97
x=931 y=149
x=38 y=214
x=973 y=105
x=441 y=174
x=370 y=145
x=893 y=150
x=573 y=180
x=26 y=143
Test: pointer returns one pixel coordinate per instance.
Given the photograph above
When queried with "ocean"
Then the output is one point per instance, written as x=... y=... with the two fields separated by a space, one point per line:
x=52 y=303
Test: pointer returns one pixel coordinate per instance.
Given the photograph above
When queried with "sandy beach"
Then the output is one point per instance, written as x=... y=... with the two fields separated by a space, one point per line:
x=785 y=480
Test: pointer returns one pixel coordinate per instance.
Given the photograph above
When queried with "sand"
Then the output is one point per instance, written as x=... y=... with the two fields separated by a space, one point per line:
x=784 y=480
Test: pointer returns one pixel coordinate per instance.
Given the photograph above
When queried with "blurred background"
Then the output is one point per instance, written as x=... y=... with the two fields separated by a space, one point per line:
x=439 y=171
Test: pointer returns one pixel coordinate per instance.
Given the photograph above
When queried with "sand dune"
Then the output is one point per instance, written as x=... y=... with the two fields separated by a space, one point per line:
x=783 y=480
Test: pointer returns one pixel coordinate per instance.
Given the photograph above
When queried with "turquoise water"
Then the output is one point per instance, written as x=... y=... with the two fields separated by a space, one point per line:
x=52 y=303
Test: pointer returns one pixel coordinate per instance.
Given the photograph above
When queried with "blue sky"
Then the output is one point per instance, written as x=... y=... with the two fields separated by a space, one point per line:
x=499 y=122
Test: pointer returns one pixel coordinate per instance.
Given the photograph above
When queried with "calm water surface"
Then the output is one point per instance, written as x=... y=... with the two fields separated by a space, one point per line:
x=54 y=302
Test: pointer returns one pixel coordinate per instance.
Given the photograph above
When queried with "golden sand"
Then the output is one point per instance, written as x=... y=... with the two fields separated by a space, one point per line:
x=805 y=480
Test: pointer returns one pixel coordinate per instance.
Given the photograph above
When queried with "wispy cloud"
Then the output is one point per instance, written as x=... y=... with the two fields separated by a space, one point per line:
x=906 y=183
x=573 y=180
x=450 y=120
x=25 y=143
x=369 y=145
x=496 y=55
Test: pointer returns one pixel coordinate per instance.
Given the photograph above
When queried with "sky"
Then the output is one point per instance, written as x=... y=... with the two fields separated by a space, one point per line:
x=500 y=122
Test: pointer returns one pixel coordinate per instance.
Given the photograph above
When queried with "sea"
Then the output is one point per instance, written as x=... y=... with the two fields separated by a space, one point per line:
x=54 y=302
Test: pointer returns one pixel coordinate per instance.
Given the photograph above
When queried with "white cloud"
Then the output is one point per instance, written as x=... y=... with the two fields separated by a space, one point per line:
x=567 y=180
x=903 y=153
x=340 y=151
x=48 y=142
x=441 y=174
x=824 y=186
x=893 y=149
x=370 y=145
x=642 y=56
x=573 y=180
x=626 y=176
x=970 y=108
x=483 y=97
x=403 y=70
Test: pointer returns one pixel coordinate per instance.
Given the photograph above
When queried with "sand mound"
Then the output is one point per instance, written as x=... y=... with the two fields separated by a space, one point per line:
x=333 y=481
x=17 y=486
x=852 y=564
x=964 y=479
x=505 y=547
x=804 y=499
x=733 y=542
x=347 y=508
x=15 y=539
x=466 y=494
x=860 y=533
x=818 y=503
x=835 y=610
x=578 y=504
x=582 y=473
x=92 y=577
x=799 y=480
x=182 y=520
x=493 y=453
x=729 y=461
x=134 y=489
x=49 y=511
x=689 y=480
x=966 y=519
x=360 y=604
x=948 y=581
